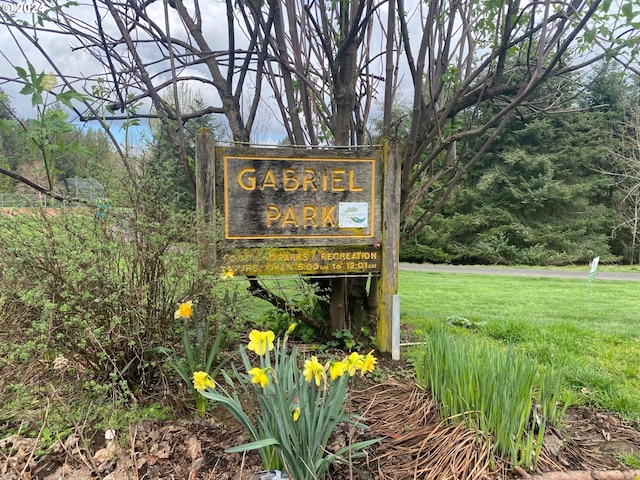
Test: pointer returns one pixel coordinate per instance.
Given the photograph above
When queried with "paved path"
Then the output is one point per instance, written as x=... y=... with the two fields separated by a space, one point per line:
x=521 y=272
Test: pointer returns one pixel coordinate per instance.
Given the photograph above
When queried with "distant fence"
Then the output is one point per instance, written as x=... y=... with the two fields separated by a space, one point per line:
x=21 y=200
x=87 y=189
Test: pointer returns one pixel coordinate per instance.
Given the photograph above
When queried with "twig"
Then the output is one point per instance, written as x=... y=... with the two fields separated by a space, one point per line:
x=86 y=459
x=213 y=470
x=244 y=454
x=6 y=460
x=35 y=444
x=583 y=475
x=134 y=464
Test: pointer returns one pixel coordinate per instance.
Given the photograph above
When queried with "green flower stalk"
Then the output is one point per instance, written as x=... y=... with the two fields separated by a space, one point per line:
x=196 y=369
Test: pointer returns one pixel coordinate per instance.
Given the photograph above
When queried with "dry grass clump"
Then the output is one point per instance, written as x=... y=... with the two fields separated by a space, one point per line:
x=418 y=444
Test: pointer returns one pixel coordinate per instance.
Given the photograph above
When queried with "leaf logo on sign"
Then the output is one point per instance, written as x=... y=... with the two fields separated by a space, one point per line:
x=353 y=214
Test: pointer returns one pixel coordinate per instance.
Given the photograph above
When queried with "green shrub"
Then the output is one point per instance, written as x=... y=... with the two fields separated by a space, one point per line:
x=496 y=249
x=100 y=291
x=412 y=251
x=537 y=255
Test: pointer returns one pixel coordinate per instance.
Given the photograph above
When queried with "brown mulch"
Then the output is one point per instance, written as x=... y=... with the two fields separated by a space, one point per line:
x=420 y=446
x=416 y=445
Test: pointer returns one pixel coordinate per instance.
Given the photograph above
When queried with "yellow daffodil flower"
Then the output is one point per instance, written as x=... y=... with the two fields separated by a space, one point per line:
x=202 y=380
x=261 y=342
x=291 y=328
x=368 y=363
x=313 y=369
x=353 y=363
x=185 y=310
x=337 y=369
x=296 y=414
x=259 y=376
x=227 y=274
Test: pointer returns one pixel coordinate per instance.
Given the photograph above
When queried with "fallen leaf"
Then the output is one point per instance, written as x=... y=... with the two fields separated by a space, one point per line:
x=161 y=450
x=194 y=449
x=103 y=455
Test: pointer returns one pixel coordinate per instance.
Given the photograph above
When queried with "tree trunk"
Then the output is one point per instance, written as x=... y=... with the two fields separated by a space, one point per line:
x=345 y=73
x=339 y=305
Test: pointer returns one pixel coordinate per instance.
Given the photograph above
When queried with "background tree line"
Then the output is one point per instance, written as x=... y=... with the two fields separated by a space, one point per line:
x=552 y=190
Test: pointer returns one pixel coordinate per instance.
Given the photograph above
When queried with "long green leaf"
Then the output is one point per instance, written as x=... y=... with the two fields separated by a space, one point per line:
x=267 y=442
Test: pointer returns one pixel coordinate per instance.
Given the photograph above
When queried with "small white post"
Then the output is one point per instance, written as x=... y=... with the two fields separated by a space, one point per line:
x=594 y=268
x=395 y=327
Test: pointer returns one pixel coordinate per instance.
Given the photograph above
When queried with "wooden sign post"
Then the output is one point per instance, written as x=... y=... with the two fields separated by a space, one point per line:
x=206 y=197
x=388 y=281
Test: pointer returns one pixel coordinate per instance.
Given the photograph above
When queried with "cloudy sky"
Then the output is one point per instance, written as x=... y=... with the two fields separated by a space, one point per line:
x=74 y=63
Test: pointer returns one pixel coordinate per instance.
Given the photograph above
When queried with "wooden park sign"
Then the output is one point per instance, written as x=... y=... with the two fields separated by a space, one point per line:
x=307 y=211
x=303 y=210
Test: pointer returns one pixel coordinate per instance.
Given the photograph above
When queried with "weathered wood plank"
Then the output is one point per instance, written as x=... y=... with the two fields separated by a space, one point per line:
x=388 y=281
x=316 y=260
x=294 y=197
x=206 y=196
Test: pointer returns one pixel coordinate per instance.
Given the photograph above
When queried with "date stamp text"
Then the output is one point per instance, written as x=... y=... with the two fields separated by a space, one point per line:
x=22 y=6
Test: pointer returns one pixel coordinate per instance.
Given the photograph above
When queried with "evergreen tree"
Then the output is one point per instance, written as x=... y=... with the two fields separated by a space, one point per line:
x=535 y=198
x=6 y=110
x=164 y=171
x=607 y=89
x=92 y=157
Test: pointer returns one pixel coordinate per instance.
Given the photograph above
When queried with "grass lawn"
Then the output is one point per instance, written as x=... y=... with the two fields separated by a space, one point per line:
x=591 y=333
